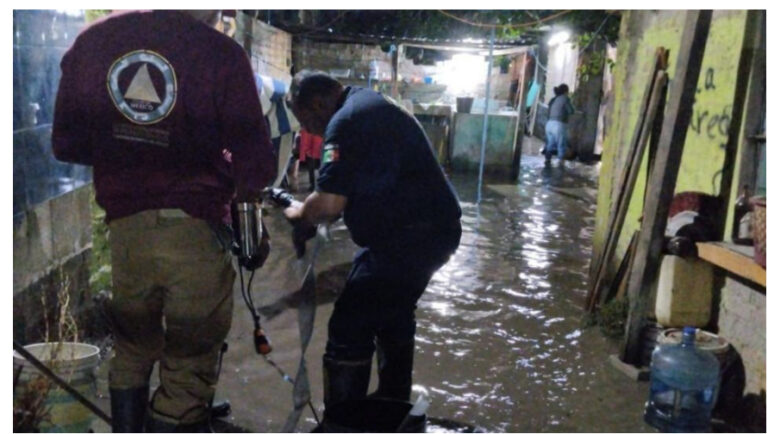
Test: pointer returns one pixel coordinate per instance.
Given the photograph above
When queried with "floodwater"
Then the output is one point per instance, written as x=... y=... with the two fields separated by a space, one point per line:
x=500 y=341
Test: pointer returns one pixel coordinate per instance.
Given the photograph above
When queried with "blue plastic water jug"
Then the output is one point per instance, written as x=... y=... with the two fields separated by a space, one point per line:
x=684 y=386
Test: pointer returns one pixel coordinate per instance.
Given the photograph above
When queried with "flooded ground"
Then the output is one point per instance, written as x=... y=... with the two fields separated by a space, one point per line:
x=500 y=343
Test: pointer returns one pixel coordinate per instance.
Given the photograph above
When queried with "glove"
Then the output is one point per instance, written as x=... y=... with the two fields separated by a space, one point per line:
x=260 y=256
x=301 y=233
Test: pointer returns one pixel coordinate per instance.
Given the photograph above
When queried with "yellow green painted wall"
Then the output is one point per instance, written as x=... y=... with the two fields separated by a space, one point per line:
x=703 y=155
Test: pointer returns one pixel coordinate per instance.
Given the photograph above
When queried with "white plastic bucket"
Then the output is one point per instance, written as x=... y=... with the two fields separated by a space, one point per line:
x=76 y=364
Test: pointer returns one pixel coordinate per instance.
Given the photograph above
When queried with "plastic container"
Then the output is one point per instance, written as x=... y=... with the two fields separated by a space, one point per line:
x=684 y=386
x=732 y=375
x=76 y=364
x=705 y=341
x=684 y=292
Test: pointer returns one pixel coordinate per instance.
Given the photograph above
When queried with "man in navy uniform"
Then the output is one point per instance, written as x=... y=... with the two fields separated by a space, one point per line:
x=379 y=171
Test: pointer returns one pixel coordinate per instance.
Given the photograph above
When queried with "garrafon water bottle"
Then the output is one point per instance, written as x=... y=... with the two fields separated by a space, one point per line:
x=684 y=386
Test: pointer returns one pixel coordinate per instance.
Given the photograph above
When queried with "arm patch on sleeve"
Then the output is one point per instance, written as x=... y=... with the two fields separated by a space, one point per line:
x=330 y=153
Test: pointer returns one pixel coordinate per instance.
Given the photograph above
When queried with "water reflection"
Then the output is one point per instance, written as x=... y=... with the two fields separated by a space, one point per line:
x=508 y=305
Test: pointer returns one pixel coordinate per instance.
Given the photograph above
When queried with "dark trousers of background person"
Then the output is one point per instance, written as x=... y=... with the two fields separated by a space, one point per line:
x=376 y=312
x=312 y=165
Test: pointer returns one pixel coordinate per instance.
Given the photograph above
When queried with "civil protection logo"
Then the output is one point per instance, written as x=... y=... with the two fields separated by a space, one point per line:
x=142 y=85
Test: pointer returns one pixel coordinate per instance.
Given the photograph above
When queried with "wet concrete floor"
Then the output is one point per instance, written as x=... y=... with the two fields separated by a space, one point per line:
x=500 y=341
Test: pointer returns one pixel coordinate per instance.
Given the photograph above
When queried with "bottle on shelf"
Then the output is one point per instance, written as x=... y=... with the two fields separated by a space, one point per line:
x=741 y=232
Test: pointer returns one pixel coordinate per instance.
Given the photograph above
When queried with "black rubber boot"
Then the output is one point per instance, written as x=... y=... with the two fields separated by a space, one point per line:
x=345 y=379
x=395 y=367
x=161 y=426
x=129 y=409
x=221 y=409
x=157 y=425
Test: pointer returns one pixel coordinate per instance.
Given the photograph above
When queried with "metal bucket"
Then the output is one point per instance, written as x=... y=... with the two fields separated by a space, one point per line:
x=75 y=364
x=370 y=415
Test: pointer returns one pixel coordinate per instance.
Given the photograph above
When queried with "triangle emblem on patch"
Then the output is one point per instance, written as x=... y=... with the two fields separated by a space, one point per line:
x=141 y=87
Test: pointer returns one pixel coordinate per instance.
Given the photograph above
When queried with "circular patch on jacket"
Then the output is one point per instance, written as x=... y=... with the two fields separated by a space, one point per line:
x=142 y=85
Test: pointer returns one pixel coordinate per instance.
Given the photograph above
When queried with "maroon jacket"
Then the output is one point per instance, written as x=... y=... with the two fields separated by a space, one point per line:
x=166 y=110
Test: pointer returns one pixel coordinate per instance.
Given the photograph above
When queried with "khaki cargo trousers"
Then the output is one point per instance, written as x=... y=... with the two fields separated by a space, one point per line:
x=172 y=303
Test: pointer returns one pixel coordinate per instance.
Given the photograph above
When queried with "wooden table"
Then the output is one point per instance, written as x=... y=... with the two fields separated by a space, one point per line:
x=733 y=258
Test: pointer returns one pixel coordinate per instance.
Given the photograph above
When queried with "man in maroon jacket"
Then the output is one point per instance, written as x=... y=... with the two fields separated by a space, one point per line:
x=166 y=110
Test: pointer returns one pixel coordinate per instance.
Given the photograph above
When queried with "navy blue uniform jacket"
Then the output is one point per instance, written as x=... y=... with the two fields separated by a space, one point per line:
x=377 y=155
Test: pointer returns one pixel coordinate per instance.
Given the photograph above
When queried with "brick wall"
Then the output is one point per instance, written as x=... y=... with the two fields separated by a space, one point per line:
x=742 y=322
x=269 y=47
x=324 y=56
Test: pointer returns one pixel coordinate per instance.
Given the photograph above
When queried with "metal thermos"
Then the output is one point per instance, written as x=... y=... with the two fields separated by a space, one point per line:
x=249 y=220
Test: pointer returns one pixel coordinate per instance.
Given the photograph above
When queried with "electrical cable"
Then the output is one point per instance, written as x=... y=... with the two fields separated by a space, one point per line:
x=247 y=294
x=324 y=26
x=594 y=35
x=505 y=26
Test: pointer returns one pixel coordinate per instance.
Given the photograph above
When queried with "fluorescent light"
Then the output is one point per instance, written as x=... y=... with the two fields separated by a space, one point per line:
x=559 y=38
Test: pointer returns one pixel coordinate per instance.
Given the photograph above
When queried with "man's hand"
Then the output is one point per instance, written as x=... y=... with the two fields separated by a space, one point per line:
x=301 y=234
x=302 y=230
x=293 y=212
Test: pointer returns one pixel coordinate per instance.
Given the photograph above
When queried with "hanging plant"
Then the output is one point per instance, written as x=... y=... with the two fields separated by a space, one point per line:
x=590 y=65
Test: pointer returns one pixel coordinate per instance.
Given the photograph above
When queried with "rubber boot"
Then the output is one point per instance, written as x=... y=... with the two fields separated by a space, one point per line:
x=157 y=425
x=345 y=379
x=161 y=426
x=395 y=367
x=129 y=409
x=221 y=409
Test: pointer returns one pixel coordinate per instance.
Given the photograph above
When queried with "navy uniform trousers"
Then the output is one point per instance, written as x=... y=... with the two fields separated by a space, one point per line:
x=376 y=311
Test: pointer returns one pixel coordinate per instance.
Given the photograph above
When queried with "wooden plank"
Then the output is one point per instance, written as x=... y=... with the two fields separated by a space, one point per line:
x=598 y=269
x=618 y=287
x=726 y=257
x=661 y=185
x=754 y=113
x=594 y=268
x=748 y=48
x=617 y=224
x=653 y=143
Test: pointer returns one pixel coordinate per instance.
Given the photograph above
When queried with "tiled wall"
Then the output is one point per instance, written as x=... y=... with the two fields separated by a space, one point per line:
x=40 y=39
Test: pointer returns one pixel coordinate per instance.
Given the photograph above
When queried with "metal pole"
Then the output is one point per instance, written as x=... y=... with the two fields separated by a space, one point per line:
x=485 y=116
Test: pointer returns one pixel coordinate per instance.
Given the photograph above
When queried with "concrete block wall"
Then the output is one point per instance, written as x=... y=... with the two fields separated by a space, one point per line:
x=741 y=321
x=325 y=56
x=51 y=201
x=51 y=243
x=466 y=142
x=269 y=47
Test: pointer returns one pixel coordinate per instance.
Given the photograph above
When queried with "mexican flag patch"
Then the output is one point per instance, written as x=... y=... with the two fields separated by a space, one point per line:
x=330 y=153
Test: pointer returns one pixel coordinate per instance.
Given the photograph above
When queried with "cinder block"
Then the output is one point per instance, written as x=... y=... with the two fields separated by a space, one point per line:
x=32 y=246
x=65 y=228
